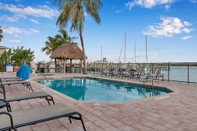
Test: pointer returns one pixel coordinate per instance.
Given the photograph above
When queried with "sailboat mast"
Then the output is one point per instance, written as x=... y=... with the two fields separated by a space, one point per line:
x=146 y=51
x=135 y=53
x=101 y=54
x=125 y=49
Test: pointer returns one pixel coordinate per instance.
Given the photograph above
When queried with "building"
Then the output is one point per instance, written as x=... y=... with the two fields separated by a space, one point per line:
x=2 y=49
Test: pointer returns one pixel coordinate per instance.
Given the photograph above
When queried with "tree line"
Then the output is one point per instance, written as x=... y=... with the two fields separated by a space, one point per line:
x=16 y=57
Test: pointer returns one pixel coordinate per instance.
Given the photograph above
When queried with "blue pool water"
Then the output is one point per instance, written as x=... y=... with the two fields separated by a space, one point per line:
x=98 y=90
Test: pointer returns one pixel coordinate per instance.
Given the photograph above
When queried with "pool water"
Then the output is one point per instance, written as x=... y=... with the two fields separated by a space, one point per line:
x=99 y=90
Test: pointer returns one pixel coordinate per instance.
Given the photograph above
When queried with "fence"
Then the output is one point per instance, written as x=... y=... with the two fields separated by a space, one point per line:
x=171 y=71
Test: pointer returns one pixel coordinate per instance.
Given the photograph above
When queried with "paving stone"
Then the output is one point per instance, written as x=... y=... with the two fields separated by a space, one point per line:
x=174 y=113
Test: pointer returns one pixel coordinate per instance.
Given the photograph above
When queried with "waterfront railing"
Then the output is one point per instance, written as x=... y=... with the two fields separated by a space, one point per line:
x=171 y=71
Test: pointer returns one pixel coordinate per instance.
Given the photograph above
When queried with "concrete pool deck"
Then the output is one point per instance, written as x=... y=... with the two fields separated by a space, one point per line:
x=175 y=111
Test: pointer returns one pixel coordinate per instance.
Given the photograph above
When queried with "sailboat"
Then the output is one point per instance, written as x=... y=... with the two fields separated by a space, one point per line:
x=123 y=44
x=133 y=60
x=146 y=50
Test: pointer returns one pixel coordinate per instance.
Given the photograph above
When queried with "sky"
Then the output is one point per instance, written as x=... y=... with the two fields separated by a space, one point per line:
x=170 y=27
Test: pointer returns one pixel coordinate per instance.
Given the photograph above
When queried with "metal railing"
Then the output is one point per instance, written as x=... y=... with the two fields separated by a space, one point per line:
x=171 y=71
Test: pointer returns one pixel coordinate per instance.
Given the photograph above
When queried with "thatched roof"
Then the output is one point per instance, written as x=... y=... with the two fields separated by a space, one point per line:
x=68 y=51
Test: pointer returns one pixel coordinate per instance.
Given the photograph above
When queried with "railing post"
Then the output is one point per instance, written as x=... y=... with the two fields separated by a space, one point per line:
x=168 y=71
x=94 y=68
x=162 y=76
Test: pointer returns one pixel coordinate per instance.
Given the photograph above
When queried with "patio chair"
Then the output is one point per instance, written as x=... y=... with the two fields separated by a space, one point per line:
x=106 y=71
x=127 y=72
x=138 y=72
x=16 y=119
x=25 y=96
x=145 y=75
x=10 y=79
x=23 y=82
x=156 y=74
x=115 y=72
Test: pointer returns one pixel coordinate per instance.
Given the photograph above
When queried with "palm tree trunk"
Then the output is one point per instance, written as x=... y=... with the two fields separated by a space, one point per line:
x=84 y=57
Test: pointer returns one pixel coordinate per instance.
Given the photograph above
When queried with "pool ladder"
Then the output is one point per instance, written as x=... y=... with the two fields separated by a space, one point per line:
x=151 y=85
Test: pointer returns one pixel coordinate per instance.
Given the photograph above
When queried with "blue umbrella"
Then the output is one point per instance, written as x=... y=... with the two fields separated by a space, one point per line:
x=24 y=72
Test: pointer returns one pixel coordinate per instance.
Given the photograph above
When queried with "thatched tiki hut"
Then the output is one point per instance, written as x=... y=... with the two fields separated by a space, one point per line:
x=68 y=51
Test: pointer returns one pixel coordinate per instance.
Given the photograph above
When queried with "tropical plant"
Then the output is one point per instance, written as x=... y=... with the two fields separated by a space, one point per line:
x=6 y=56
x=50 y=45
x=63 y=37
x=1 y=31
x=16 y=56
x=21 y=55
x=58 y=40
x=73 y=10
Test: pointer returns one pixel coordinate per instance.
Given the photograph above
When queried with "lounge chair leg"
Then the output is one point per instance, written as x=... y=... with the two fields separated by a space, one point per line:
x=82 y=123
x=28 y=85
x=9 y=107
x=78 y=118
x=70 y=120
x=49 y=98
x=13 y=129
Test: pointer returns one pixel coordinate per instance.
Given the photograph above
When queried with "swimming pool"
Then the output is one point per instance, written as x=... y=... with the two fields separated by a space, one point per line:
x=99 y=90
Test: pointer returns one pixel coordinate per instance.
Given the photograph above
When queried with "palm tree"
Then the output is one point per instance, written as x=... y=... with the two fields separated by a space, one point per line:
x=63 y=37
x=1 y=36
x=50 y=45
x=74 y=10
x=58 y=40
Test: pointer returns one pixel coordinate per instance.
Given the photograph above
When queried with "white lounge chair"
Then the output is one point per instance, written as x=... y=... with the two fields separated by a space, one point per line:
x=145 y=75
x=127 y=72
x=138 y=72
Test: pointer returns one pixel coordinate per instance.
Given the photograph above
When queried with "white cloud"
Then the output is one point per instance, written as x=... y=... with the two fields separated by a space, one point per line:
x=130 y=5
x=118 y=11
x=147 y=3
x=186 y=37
x=12 y=30
x=168 y=27
x=193 y=1
x=10 y=19
x=167 y=7
x=187 y=23
x=186 y=30
x=35 y=31
x=14 y=41
x=34 y=21
x=16 y=31
x=41 y=11
x=47 y=2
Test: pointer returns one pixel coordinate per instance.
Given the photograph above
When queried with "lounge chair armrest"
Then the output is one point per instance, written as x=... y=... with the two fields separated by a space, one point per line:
x=3 y=100
x=3 y=94
x=11 y=119
x=4 y=103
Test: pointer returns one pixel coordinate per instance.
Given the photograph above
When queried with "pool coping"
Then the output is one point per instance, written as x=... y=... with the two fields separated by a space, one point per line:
x=177 y=112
